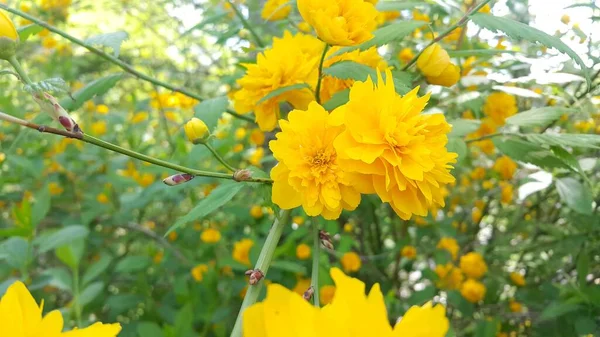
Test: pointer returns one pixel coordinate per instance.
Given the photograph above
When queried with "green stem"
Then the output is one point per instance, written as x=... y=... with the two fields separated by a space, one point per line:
x=246 y=24
x=126 y=67
x=263 y=263
x=22 y=74
x=219 y=158
x=445 y=33
x=492 y=135
x=318 y=89
x=315 y=264
x=76 y=302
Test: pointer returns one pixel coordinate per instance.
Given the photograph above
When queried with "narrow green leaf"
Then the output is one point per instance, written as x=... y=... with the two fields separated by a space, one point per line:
x=570 y=160
x=132 y=264
x=388 y=6
x=210 y=110
x=557 y=309
x=583 y=267
x=60 y=237
x=518 y=30
x=565 y=139
x=149 y=329
x=110 y=40
x=458 y=146
x=538 y=117
x=26 y=31
x=96 y=269
x=53 y=85
x=41 y=207
x=71 y=253
x=349 y=70
x=14 y=252
x=479 y=52
x=279 y=91
x=575 y=194
x=462 y=127
x=95 y=88
x=90 y=292
x=338 y=99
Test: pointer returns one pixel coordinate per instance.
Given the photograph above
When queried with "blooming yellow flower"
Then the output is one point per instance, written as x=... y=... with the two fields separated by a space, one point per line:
x=409 y=252
x=308 y=173
x=499 y=106
x=241 y=251
x=487 y=185
x=256 y=155
x=478 y=173
x=102 y=109
x=473 y=265
x=276 y=10
x=55 y=189
x=506 y=192
x=7 y=28
x=351 y=313
x=326 y=294
x=240 y=133
x=485 y=9
x=517 y=279
x=303 y=251
x=351 y=262
x=476 y=215
x=99 y=128
x=506 y=167
x=198 y=272
x=450 y=277
x=20 y=316
x=340 y=22
x=291 y=60
x=418 y=16
x=210 y=235
x=449 y=244
x=392 y=149
x=473 y=290
x=256 y=212
x=454 y=35
x=515 y=306
x=405 y=55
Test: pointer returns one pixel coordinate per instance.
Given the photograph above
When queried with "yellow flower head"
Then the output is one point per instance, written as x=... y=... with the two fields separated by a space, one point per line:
x=257 y=137
x=515 y=306
x=196 y=131
x=303 y=251
x=506 y=167
x=99 y=128
x=102 y=198
x=565 y=19
x=517 y=279
x=409 y=252
x=340 y=22
x=102 y=109
x=507 y=193
x=473 y=290
x=433 y=60
x=473 y=265
x=326 y=294
x=392 y=149
x=298 y=220
x=55 y=188
x=138 y=117
x=406 y=55
x=276 y=10
x=198 y=272
x=210 y=235
x=291 y=60
x=351 y=262
x=308 y=173
x=7 y=28
x=449 y=244
x=418 y=16
x=241 y=251
x=499 y=106
x=20 y=316
x=450 y=277
x=256 y=212
x=350 y=313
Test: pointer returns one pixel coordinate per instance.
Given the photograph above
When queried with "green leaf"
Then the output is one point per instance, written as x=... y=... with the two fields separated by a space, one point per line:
x=538 y=117
x=479 y=52
x=290 y=266
x=389 y=6
x=486 y=328
x=350 y=70
x=212 y=202
x=575 y=194
x=149 y=329
x=41 y=207
x=585 y=326
x=95 y=88
x=569 y=160
x=527 y=152
x=518 y=30
x=26 y=31
x=60 y=237
x=462 y=127
x=557 y=309
x=279 y=91
x=132 y=264
x=565 y=139
x=385 y=35
x=210 y=110
x=90 y=293
x=53 y=85
x=110 y=40
x=338 y=99
x=71 y=253
x=96 y=269
x=583 y=267
x=14 y=252
x=458 y=146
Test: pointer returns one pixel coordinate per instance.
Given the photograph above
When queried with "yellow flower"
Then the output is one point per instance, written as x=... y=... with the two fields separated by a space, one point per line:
x=257 y=137
x=499 y=106
x=478 y=173
x=256 y=212
x=506 y=167
x=351 y=313
x=20 y=316
x=406 y=55
x=326 y=294
x=449 y=76
x=351 y=262
x=473 y=265
x=507 y=193
x=198 y=272
x=145 y=179
x=308 y=173
x=433 y=60
x=276 y=10
x=565 y=19
x=450 y=277
x=139 y=117
x=585 y=126
x=292 y=59
x=173 y=236
x=241 y=251
x=487 y=127
x=210 y=235
x=303 y=251
x=301 y=286
x=7 y=28
x=158 y=257
x=473 y=290
x=102 y=109
x=49 y=42
x=515 y=306
x=517 y=279
x=449 y=244
x=240 y=133
x=454 y=35
x=340 y=22
x=99 y=128
x=298 y=220
x=487 y=185
x=392 y=149
x=409 y=252
x=55 y=188
x=256 y=156
x=304 y=27
x=485 y=9
x=2 y=157
x=418 y=16
x=196 y=131
x=102 y=198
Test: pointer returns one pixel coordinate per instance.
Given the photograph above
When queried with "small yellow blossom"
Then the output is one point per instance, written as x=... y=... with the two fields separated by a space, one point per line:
x=351 y=262
x=301 y=286
x=210 y=235
x=173 y=236
x=99 y=128
x=487 y=185
x=515 y=306
x=506 y=167
x=256 y=212
x=499 y=106
x=517 y=279
x=257 y=137
x=473 y=290
x=348 y=227
x=565 y=19
x=240 y=133
x=102 y=109
x=303 y=251
x=450 y=277
x=476 y=215
x=449 y=244
x=274 y=10
x=55 y=189
x=158 y=257
x=198 y=272
x=102 y=198
x=256 y=156
x=405 y=55
x=139 y=117
x=507 y=193
x=196 y=131
x=473 y=265
x=326 y=294
x=241 y=251
x=409 y=252
x=478 y=173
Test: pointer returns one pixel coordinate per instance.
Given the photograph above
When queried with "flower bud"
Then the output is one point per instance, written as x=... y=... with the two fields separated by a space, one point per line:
x=196 y=131
x=308 y=294
x=255 y=276
x=565 y=19
x=326 y=239
x=242 y=175
x=9 y=38
x=178 y=179
x=433 y=60
x=50 y=105
x=449 y=76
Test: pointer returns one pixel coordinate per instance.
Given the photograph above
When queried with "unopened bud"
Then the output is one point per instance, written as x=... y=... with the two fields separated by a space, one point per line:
x=242 y=175
x=308 y=294
x=9 y=38
x=50 y=105
x=326 y=239
x=196 y=131
x=255 y=276
x=178 y=179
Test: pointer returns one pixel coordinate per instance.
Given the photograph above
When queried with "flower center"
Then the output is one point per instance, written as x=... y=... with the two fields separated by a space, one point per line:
x=321 y=159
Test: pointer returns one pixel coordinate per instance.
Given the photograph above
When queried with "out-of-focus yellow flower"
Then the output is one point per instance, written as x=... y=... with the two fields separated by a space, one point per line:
x=405 y=55
x=298 y=220
x=506 y=167
x=361 y=315
x=585 y=126
x=473 y=290
x=173 y=236
x=241 y=251
x=348 y=227
x=237 y=148
x=476 y=215
x=487 y=185
x=409 y=252
x=326 y=294
x=485 y=9
x=158 y=257
x=341 y=22
x=517 y=279
x=499 y=106
x=473 y=265
x=138 y=117
x=274 y=10
x=256 y=212
x=102 y=109
x=303 y=251
x=210 y=235
x=392 y=149
x=449 y=244
x=55 y=189
x=49 y=42
x=565 y=19
x=478 y=173
x=487 y=127
x=257 y=137
x=2 y=157
x=102 y=198
x=418 y=16
x=196 y=131
x=99 y=128
x=145 y=179
x=308 y=173
x=7 y=28
x=454 y=35
x=450 y=277
x=507 y=193
x=351 y=262
x=468 y=66
x=198 y=272
x=302 y=285
x=240 y=133
x=20 y=316
x=515 y=306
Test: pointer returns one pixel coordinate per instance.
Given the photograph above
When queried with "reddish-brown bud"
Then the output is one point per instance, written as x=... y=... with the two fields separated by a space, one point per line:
x=255 y=276
x=326 y=239
x=178 y=179
x=242 y=175
x=308 y=294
